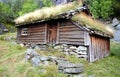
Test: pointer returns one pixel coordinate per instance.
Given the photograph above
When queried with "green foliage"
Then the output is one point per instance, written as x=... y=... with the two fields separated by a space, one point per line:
x=115 y=49
x=8 y=10
x=116 y=7
x=28 y=6
x=47 y=3
x=101 y=8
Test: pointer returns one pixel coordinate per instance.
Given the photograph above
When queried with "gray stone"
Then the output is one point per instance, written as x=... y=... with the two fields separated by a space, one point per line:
x=69 y=65
x=72 y=53
x=73 y=70
x=83 y=48
x=117 y=27
x=79 y=75
x=53 y=58
x=73 y=47
x=115 y=22
x=37 y=47
x=92 y=75
x=82 y=52
x=117 y=36
x=65 y=45
x=45 y=58
x=81 y=56
x=30 y=53
x=60 y=61
x=35 y=61
x=57 y=47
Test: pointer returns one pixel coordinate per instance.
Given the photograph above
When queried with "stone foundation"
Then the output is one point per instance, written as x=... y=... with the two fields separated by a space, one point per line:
x=78 y=51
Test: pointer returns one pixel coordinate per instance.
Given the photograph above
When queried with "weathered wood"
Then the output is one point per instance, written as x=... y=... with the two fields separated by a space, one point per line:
x=99 y=46
x=69 y=33
x=45 y=33
x=58 y=34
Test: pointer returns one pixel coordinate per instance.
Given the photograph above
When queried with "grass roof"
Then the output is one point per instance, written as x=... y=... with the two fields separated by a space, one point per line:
x=92 y=24
x=47 y=12
x=54 y=11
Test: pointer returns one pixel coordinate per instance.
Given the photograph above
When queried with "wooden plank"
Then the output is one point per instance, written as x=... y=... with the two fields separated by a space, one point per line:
x=72 y=32
x=68 y=26
x=75 y=43
x=81 y=40
x=45 y=37
x=69 y=29
x=86 y=38
x=58 y=34
x=72 y=36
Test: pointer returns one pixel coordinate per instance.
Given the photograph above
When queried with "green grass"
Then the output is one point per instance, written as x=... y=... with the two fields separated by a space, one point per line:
x=87 y=21
x=47 y=13
x=12 y=63
x=115 y=49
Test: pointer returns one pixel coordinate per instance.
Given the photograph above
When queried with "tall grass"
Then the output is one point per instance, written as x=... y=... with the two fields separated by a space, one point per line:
x=115 y=49
x=47 y=12
x=87 y=21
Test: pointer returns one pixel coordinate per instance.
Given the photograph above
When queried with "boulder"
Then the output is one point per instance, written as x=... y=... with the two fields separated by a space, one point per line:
x=73 y=70
x=79 y=75
x=117 y=27
x=30 y=53
x=35 y=61
x=69 y=65
x=37 y=47
x=45 y=58
x=115 y=22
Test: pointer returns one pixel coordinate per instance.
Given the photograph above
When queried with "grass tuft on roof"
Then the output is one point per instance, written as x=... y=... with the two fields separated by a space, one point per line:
x=90 y=23
x=47 y=12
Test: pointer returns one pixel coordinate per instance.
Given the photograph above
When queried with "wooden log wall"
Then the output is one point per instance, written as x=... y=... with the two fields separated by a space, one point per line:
x=70 y=34
x=100 y=47
x=36 y=34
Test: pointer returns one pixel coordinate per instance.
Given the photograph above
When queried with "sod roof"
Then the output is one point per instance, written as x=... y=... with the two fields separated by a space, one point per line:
x=71 y=10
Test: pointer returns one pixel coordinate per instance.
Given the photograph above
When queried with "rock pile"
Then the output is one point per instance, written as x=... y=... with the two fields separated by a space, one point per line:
x=80 y=51
x=64 y=66
x=70 y=68
x=116 y=26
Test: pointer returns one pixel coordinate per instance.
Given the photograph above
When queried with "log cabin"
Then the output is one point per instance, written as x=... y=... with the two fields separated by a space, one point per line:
x=65 y=24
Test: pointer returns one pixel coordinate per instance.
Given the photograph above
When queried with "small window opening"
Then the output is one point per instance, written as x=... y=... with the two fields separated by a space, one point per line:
x=24 y=32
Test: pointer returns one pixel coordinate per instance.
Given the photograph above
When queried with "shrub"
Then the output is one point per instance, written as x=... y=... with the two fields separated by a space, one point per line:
x=101 y=8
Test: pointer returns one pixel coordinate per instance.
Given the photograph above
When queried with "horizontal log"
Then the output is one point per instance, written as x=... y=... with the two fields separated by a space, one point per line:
x=67 y=26
x=34 y=30
x=75 y=43
x=71 y=37
x=72 y=32
x=69 y=29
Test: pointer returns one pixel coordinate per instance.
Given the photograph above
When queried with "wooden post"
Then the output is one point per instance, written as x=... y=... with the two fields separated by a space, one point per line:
x=45 y=33
x=57 y=41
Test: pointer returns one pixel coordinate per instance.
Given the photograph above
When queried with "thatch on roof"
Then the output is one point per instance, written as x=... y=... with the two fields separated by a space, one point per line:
x=91 y=24
x=64 y=11
x=47 y=13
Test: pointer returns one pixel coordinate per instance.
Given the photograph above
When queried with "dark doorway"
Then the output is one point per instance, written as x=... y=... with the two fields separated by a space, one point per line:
x=52 y=33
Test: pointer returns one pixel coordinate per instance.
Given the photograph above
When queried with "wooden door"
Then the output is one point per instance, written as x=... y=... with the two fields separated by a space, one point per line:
x=52 y=33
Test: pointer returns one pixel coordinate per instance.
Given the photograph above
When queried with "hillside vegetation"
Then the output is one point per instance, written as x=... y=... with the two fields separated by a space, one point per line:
x=13 y=64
